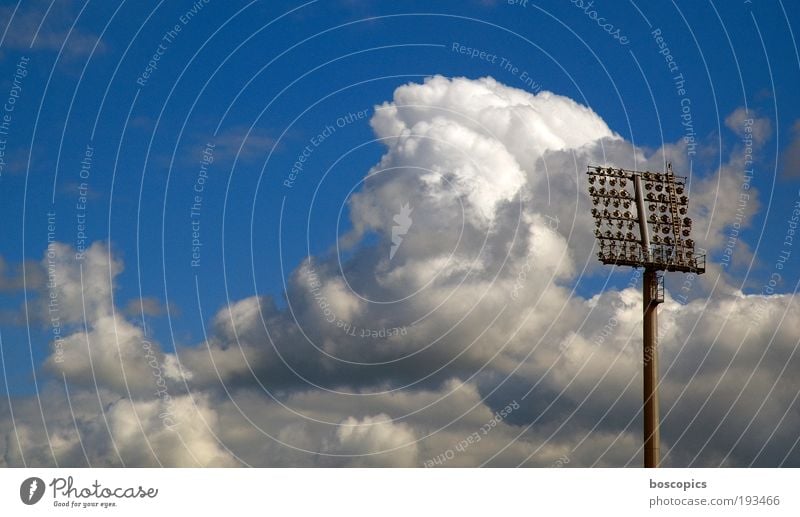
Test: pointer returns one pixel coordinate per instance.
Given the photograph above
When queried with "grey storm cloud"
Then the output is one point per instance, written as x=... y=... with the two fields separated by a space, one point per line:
x=414 y=358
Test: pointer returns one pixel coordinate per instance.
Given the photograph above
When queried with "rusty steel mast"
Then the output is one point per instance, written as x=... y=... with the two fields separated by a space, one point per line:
x=641 y=221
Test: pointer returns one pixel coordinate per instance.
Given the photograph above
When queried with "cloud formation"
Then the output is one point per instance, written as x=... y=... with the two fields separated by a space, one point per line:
x=397 y=358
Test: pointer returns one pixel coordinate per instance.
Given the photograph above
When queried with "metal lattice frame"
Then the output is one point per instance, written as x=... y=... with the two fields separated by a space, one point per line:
x=653 y=203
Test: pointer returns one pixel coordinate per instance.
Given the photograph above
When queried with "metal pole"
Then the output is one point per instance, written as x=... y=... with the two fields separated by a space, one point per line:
x=652 y=441
x=644 y=234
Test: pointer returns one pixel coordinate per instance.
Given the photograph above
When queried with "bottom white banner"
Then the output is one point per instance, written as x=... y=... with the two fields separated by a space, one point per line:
x=355 y=492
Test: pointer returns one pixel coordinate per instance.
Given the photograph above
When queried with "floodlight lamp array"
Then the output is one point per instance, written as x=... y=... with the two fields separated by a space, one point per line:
x=641 y=219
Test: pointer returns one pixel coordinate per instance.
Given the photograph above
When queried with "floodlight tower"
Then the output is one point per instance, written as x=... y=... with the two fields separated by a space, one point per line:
x=656 y=204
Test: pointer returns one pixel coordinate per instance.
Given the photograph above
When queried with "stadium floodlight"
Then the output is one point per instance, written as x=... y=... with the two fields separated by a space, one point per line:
x=657 y=204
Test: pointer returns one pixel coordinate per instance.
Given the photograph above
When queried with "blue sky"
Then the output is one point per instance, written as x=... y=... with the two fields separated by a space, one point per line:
x=212 y=79
x=271 y=76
